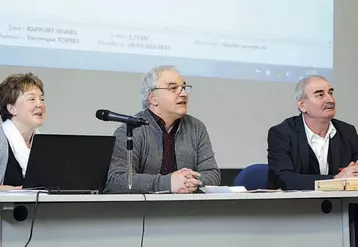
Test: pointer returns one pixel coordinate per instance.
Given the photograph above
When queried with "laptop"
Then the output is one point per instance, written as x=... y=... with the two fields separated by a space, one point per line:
x=69 y=164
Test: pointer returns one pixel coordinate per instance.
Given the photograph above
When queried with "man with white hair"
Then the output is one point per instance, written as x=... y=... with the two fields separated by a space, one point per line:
x=173 y=153
x=313 y=145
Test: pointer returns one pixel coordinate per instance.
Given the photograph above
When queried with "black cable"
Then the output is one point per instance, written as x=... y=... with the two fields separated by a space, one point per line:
x=34 y=216
x=143 y=223
x=35 y=211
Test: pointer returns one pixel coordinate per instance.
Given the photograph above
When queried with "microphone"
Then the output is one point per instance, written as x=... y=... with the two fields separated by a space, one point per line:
x=132 y=123
x=106 y=115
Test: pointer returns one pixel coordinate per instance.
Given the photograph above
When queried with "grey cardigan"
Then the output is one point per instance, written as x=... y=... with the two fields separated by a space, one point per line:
x=4 y=153
x=192 y=149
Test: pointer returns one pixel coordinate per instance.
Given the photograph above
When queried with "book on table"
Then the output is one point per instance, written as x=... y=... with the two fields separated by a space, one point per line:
x=349 y=184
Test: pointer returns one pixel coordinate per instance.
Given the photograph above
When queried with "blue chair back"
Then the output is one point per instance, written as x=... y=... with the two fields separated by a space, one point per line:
x=253 y=177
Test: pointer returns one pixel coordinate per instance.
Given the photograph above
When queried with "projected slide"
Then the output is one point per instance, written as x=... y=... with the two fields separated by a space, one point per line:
x=278 y=40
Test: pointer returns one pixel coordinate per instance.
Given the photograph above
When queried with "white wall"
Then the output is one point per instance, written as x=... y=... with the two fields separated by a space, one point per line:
x=237 y=113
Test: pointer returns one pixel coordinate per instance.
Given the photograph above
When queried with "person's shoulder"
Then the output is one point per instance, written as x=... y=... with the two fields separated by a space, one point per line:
x=122 y=129
x=192 y=121
x=341 y=125
x=340 y=122
x=140 y=114
x=287 y=125
x=3 y=143
x=3 y=139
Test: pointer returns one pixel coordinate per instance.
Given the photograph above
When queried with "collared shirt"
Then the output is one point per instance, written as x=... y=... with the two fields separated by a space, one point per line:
x=320 y=145
x=169 y=163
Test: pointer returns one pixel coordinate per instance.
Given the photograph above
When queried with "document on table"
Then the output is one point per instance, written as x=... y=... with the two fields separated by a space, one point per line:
x=22 y=192
x=233 y=189
x=223 y=189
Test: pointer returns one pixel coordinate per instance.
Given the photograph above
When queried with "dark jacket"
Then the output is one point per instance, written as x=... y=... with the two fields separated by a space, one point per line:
x=288 y=154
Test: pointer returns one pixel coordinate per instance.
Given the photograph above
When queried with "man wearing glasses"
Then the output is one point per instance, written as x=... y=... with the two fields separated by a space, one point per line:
x=173 y=153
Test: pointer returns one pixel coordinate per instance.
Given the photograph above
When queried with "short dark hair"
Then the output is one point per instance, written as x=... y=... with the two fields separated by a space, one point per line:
x=12 y=87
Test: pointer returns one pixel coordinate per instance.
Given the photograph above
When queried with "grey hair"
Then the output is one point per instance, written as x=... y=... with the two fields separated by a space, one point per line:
x=300 y=90
x=149 y=80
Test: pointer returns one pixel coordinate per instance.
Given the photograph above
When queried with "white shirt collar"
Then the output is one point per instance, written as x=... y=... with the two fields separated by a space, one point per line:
x=310 y=134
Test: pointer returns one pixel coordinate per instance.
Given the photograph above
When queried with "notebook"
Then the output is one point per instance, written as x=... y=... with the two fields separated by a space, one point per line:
x=65 y=163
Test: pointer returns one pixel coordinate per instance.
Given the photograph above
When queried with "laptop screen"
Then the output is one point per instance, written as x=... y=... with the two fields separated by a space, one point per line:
x=69 y=162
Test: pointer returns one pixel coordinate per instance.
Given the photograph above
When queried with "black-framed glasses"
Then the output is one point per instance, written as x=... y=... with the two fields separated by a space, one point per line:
x=176 y=89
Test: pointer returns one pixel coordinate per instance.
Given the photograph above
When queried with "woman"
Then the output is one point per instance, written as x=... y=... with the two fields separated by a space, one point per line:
x=22 y=110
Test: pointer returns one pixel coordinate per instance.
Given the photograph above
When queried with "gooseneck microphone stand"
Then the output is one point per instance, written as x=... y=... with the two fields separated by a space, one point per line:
x=130 y=154
x=130 y=127
x=132 y=123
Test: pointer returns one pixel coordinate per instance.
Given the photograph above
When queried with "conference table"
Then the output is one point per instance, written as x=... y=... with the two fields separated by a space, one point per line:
x=223 y=219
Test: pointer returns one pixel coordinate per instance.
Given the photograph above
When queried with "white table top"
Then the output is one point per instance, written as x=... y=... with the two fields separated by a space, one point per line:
x=31 y=196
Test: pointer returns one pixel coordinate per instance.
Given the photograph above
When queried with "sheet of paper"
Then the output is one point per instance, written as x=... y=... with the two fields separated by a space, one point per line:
x=22 y=192
x=223 y=189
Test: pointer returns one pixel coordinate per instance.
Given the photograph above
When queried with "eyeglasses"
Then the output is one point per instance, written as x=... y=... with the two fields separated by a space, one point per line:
x=176 y=89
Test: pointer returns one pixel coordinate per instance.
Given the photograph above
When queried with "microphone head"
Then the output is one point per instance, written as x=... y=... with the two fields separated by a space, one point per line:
x=102 y=114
